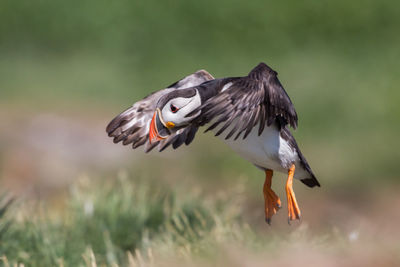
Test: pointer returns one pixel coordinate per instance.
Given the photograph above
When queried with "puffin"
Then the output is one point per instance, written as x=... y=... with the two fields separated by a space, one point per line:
x=251 y=114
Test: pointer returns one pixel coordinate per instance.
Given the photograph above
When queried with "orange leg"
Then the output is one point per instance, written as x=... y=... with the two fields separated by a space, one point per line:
x=272 y=201
x=293 y=208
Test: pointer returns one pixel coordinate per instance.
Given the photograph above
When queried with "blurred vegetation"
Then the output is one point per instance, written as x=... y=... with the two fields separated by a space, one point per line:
x=88 y=60
x=126 y=221
x=127 y=48
x=111 y=219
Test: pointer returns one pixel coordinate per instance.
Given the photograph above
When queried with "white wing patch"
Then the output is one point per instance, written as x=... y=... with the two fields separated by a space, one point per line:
x=226 y=86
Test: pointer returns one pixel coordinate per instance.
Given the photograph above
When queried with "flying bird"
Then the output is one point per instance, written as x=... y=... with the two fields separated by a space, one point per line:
x=251 y=114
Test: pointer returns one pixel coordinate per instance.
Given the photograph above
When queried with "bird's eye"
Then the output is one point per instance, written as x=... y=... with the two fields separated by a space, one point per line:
x=173 y=108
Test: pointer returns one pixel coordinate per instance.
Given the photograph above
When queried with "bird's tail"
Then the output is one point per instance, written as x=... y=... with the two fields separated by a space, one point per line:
x=311 y=181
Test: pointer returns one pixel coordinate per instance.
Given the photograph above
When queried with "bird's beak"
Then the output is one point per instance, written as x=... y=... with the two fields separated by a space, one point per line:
x=158 y=129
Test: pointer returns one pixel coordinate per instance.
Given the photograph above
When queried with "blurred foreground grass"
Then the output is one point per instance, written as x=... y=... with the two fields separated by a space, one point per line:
x=117 y=220
x=126 y=221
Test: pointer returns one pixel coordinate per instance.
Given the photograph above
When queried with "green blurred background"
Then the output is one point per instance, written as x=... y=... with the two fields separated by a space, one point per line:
x=68 y=67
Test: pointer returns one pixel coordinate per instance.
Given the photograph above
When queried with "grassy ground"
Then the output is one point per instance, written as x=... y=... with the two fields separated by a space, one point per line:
x=127 y=221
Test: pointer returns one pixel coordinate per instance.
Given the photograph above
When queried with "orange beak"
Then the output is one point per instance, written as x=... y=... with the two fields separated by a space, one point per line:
x=158 y=130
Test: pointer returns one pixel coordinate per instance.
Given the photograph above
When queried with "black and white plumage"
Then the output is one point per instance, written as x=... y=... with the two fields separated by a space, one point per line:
x=257 y=99
x=132 y=125
x=251 y=114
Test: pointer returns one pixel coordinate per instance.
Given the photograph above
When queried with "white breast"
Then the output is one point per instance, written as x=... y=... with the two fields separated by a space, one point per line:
x=269 y=150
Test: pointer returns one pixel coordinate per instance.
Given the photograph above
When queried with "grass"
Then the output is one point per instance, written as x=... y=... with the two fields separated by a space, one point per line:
x=110 y=219
x=127 y=221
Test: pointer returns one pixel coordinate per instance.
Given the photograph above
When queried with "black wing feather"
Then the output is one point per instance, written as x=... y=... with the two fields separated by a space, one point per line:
x=258 y=98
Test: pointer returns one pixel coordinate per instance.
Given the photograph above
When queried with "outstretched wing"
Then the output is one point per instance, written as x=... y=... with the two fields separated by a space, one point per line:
x=132 y=125
x=245 y=102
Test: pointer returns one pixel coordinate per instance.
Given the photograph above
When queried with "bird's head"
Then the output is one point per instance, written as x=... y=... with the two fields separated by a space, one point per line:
x=171 y=112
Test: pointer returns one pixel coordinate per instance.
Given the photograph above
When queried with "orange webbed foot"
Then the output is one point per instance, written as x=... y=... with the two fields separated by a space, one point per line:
x=293 y=208
x=272 y=201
